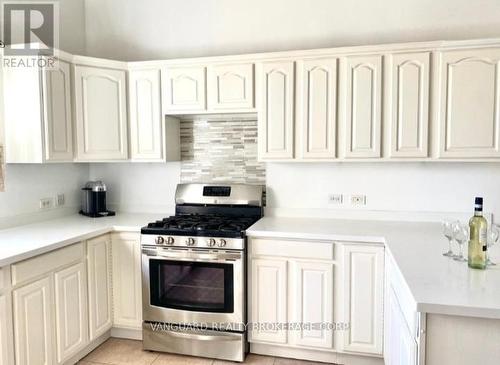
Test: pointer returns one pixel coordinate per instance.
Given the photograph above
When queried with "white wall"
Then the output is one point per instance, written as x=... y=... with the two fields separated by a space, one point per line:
x=139 y=30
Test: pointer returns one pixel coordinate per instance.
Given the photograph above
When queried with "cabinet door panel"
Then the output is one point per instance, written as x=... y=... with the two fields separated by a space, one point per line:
x=363 y=106
x=469 y=103
x=33 y=324
x=101 y=115
x=313 y=303
x=230 y=87
x=145 y=115
x=269 y=300
x=184 y=89
x=71 y=311
x=364 y=277
x=6 y=337
x=99 y=276
x=409 y=104
x=316 y=105
x=276 y=119
x=57 y=113
x=127 y=294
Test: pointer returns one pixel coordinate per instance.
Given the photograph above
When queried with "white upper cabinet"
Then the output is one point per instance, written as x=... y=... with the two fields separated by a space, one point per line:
x=184 y=89
x=408 y=104
x=146 y=129
x=101 y=114
x=317 y=108
x=276 y=110
x=469 y=103
x=364 y=298
x=230 y=87
x=38 y=114
x=363 y=106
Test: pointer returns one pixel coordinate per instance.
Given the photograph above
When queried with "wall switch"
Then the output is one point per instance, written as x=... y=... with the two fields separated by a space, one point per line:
x=60 y=200
x=46 y=203
x=358 y=199
x=335 y=198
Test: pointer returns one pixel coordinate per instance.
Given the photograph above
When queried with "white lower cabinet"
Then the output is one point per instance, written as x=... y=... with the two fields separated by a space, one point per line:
x=364 y=298
x=71 y=311
x=127 y=293
x=99 y=286
x=6 y=342
x=33 y=323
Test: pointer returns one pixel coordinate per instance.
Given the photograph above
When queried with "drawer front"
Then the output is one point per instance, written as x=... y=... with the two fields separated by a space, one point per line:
x=32 y=268
x=403 y=295
x=288 y=248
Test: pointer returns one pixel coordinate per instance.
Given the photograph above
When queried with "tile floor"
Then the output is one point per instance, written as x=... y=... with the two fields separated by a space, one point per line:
x=127 y=352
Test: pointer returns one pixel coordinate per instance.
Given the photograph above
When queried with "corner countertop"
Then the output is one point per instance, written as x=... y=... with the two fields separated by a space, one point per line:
x=23 y=242
x=438 y=284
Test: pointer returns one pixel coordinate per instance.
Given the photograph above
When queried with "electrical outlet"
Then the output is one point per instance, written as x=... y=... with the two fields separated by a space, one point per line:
x=335 y=198
x=358 y=199
x=46 y=203
x=60 y=200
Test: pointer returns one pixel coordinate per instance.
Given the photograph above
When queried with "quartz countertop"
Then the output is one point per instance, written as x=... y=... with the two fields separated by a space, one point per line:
x=438 y=284
x=22 y=242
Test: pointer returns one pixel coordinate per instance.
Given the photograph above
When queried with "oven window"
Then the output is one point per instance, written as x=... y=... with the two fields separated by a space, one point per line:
x=193 y=286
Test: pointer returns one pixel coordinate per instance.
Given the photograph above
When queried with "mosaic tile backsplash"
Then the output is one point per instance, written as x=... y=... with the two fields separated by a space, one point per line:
x=220 y=151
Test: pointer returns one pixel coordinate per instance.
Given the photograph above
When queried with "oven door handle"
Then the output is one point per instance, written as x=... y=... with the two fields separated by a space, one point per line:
x=193 y=336
x=199 y=257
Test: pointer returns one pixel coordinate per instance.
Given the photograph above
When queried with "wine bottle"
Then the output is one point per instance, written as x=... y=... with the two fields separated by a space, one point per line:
x=478 y=237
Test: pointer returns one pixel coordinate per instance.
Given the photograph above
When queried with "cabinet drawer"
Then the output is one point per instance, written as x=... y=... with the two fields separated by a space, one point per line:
x=31 y=268
x=298 y=249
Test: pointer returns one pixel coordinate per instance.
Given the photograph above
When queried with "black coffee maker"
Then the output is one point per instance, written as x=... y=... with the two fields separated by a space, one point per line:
x=94 y=200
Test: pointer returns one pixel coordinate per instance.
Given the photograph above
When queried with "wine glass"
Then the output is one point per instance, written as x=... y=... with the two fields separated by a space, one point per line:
x=448 y=233
x=461 y=234
x=493 y=235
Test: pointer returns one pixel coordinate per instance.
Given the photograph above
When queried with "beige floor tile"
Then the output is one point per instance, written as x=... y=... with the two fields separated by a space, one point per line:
x=121 y=352
x=283 y=361
x=172 y=359
x=251 y=359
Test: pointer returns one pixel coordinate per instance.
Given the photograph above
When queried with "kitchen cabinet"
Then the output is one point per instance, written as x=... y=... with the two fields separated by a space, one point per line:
x=317 y=108
x=6 y=336
x=33 y=321
x=99 y=285
x=362 y=95
x=408 y=93
x=230 y=86
x=101 y=113
x=38 y=114
x=269 y=299
x=469 y=103
x=184 y=89
x=363 y=298
x=276 y=110
x=71 y=311
x=127 y=280
x=312 y=302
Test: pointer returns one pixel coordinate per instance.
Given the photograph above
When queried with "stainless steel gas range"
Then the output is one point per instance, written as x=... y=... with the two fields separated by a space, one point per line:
x=194 y=272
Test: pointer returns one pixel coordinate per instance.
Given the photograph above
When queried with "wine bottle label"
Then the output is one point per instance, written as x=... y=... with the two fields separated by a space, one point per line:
x=482 y=236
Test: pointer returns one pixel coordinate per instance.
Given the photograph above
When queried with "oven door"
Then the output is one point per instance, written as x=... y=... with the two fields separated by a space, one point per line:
x=192 y=287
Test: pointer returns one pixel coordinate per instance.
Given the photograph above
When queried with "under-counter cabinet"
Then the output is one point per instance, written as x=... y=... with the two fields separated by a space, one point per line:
x=101 y=113
x=469 y=103
x=38 y=114
x=276 y=85
x=6 y=335
x=99 y=285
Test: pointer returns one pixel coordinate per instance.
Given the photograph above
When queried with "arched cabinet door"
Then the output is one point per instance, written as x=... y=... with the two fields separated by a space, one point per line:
x=276 y=110
x=469 y=103
x=230 y=87
x=184 y=89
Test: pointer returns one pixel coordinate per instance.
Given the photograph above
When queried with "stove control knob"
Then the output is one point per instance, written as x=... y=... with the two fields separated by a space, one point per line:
x=190 y=242
x=211 y=242
x=159 y=240
x=170 y=241
x=222 y=242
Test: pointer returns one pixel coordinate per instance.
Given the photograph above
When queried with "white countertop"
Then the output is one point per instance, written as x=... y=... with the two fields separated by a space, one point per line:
x=438 y=284
x=22 y=242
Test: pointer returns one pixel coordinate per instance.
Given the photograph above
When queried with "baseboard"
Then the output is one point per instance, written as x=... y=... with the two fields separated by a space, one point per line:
x=314 y=355
x=88 y=349
x=127 y=333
